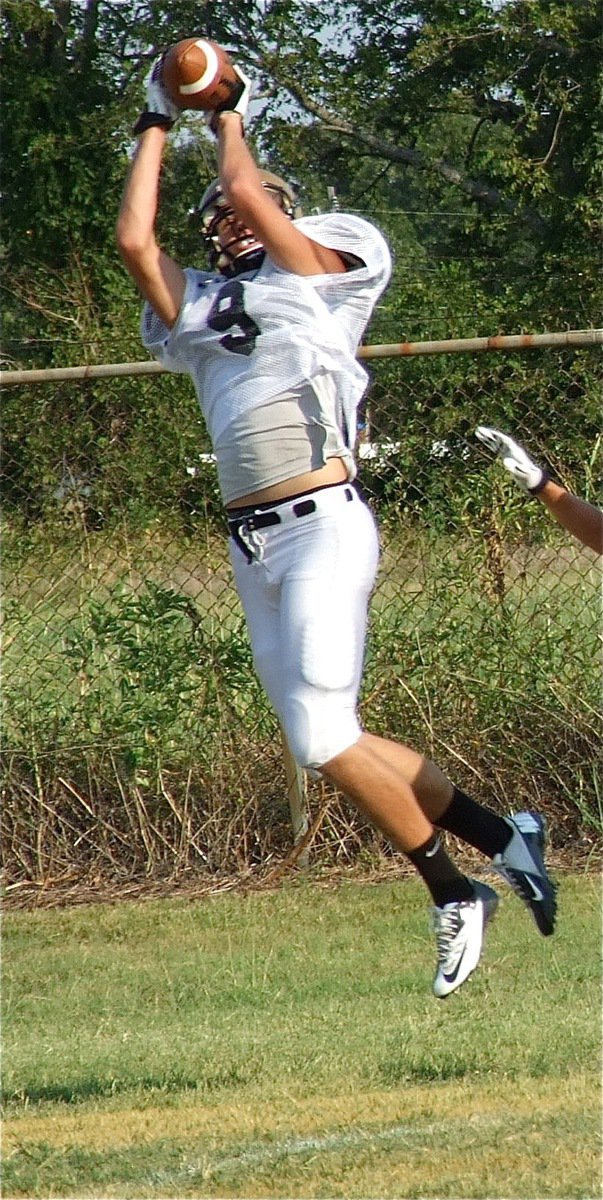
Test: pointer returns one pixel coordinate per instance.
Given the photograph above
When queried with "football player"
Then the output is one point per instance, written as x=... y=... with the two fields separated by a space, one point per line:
x=269 y=337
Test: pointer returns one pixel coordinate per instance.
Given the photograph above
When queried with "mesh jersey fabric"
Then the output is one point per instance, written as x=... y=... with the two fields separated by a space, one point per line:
x=245 y=339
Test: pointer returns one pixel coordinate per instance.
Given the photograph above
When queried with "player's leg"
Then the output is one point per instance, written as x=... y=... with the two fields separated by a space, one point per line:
x=515 y=844
x=462 y=906
x=323 y=619
x=259 y=594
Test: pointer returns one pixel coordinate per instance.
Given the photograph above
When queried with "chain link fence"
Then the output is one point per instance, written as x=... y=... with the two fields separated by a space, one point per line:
x=137 y=742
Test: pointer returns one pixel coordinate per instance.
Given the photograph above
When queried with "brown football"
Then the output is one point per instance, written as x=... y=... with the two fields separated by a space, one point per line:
x=197 y=73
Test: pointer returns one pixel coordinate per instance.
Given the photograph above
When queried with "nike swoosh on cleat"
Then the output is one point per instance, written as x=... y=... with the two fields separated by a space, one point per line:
x=453 y=974
x=536 y=893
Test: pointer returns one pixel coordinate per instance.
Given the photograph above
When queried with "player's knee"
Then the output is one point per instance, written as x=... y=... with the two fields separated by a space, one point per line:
x=320 y=730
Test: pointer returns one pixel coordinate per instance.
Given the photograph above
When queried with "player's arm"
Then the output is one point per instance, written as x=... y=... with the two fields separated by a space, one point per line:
x=580 y=518
x=241 y=183
x=160 y=280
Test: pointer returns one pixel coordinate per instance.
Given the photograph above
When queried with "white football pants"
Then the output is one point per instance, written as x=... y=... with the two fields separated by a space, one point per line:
x=305 y=594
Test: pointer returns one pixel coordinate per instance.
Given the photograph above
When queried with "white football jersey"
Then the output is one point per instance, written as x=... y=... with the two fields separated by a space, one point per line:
x=248 y=338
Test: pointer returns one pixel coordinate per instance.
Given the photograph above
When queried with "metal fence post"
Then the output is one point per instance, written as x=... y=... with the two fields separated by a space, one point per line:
x=297 y=796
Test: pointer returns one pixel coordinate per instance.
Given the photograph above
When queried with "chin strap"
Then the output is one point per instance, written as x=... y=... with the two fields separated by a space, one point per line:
x=251 y=261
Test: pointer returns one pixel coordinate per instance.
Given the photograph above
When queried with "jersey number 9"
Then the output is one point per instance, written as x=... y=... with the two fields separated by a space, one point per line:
x=227 y=311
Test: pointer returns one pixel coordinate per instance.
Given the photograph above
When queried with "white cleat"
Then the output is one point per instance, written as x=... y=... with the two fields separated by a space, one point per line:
x=459 y=929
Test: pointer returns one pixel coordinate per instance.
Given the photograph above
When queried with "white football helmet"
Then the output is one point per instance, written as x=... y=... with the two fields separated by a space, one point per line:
x=213 y=208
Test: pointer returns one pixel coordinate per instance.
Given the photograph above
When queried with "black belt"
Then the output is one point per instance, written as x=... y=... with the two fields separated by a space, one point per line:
x=249 y=519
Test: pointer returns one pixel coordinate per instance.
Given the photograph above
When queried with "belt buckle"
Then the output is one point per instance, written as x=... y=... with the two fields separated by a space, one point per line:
x=262 y=520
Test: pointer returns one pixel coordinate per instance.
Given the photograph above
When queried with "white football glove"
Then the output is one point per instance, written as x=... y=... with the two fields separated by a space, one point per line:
x=160 y=108
x=158 y=100
x=237 y=101
x=527 y=474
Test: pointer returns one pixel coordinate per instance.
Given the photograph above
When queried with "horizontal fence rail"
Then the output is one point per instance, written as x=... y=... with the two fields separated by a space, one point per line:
x=137 y=742
x=520 y=341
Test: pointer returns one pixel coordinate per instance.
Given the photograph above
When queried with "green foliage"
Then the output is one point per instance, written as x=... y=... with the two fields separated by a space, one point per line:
x=466 y=134
x=482 y=644
x=58 y=140
x=472 y=127
x=475 y=123
x=66 y=141
x=83 y=454
x=141 y=670
x=137 y=738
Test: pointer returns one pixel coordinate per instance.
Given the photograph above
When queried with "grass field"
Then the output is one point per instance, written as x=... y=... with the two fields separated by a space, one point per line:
x=286 y=1044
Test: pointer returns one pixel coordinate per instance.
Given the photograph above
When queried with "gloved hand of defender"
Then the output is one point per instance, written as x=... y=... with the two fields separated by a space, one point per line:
x=527 y=473
x=160 y=109
x=237 y=101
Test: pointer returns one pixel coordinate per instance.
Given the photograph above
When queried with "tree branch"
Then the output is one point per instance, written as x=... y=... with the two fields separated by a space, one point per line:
x=87 y=40
x=473 y=139
x=480 y=192
x=544 y=162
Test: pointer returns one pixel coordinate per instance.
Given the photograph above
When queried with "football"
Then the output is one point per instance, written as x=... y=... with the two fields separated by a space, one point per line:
x=197 y=73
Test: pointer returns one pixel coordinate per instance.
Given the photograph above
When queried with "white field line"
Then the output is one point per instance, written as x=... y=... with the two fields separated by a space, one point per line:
x=289 y=1147
x=260 y=1155
x=209 y=1169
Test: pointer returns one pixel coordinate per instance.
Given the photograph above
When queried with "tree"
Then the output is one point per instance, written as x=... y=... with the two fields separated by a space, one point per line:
x=490 y=109
x=469 y=127
x=465 y=131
